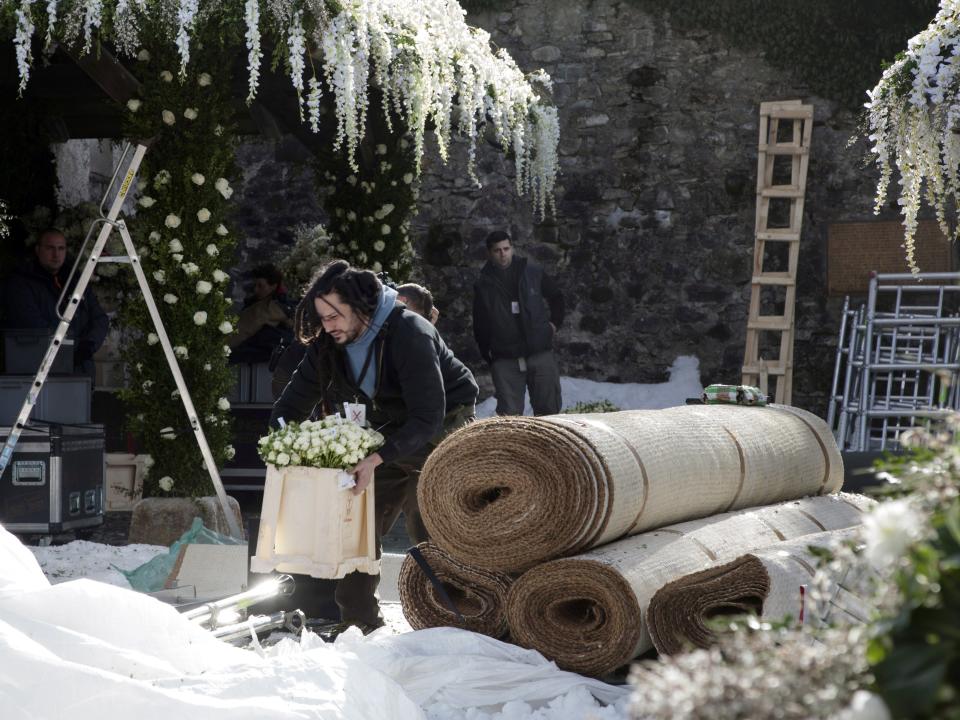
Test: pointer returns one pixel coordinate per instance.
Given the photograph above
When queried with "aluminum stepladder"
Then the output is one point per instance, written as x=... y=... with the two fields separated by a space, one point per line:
x=757 y=369
x=109 y=221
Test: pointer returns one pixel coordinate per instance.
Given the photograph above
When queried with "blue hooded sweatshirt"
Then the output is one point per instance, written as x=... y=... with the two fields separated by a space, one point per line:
x=358 y=349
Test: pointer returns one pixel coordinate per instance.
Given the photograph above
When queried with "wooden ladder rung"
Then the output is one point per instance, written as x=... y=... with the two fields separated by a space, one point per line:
x=769 y=322
x=785 y=112
x=770 y=368
x=782 y=149
x=782 y=191
x=779 y=236
x=774 y=279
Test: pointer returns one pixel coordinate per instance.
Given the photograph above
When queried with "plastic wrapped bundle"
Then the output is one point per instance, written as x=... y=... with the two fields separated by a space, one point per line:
x=510 y=493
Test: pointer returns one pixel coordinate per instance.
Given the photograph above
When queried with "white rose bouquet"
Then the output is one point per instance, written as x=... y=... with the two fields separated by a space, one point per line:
x=332 y=442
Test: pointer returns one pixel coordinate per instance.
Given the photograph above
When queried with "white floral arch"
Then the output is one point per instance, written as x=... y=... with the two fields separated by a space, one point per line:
x=432 y=68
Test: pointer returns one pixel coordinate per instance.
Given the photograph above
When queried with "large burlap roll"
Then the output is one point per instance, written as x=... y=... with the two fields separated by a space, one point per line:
x=587 y=612
x=480 y=595
x=509 y=493
x=771 y=583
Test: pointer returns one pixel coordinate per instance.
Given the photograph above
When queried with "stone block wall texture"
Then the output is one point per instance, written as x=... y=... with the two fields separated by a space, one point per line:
x=653 y=236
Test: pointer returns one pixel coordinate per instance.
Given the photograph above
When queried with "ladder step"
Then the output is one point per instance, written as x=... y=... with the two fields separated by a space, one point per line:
x=784 y=149
x=781 y=191
x=774 y=279
x=771 y=369
x=783 y=111
x=771 y=322
x=779 y=235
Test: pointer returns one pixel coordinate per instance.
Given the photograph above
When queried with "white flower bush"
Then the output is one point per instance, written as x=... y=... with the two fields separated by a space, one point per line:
x=332 y=442
x=913 y=118
x=431 y=67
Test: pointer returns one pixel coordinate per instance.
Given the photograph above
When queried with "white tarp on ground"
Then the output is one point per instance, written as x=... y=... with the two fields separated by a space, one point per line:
x=85 y=650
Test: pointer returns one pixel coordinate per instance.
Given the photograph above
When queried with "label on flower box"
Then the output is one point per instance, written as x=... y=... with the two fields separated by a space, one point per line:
x=345 y=480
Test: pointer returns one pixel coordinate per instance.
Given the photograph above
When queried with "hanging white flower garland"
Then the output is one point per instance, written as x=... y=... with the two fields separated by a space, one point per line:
x=914 y=121
x=430 y=66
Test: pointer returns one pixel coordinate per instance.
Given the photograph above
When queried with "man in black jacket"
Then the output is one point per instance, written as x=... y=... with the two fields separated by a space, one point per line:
x=364 y=348
x=517 y=309
x=30 y=300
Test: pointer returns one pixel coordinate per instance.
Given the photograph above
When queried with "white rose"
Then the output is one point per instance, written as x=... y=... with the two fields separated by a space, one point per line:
x=226 y=349
x=226 y=328
x=229 y=452
x=177 y=257
x=222 y=231
x=168 y=117
x=172 y=221
x=147 y=201
x=384 y=229
x=170 y=299
x=352 y=179
x=295 y=459
x=283 y=459
x=223 y=187
x=203 y=215
x=376 y=267
x=223 y=404
x=175 y=246
x=175 y=395
x=381 y=149
x=272 y=457
x=206 y=366
x=200 y=318
x=160 y=276
x=148 y=461
x=190 y=113
x=180 y=351
x=379 y=245
x=203 y=287
x=408 y=178
x=204 y=80
x=154 y=236
x=889 y=530
x=152 y=339
x=220 y=276
x=161 y=179
x=143 y=55
x=166 y=483
x=166 y=76
x=190 y=268
x=212 y=250
x=198 y=179
x=133 y=104
x=168 y=433
x=351 y=215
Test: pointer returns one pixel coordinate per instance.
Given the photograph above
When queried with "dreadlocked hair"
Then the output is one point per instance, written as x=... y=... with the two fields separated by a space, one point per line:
x=359 y=289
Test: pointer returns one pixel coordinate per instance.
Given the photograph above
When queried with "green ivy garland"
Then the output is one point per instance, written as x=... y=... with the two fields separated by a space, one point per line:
x=181 y=230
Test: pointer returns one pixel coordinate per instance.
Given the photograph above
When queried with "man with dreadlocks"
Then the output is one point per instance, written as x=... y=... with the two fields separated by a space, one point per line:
x=365 y=348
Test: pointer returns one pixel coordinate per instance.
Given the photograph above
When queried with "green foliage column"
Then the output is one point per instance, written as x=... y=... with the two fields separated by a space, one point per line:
x=181 y=231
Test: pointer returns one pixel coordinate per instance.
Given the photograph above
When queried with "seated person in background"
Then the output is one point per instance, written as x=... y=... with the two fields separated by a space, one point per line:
x=30 y=300
x=419 y=299
x=264 y=321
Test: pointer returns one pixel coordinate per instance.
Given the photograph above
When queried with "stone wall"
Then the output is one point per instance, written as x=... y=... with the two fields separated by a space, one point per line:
x=654 y=230
x=653 y=236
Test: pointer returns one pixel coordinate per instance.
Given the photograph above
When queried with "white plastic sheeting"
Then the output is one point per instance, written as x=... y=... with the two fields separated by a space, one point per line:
x=85 y=650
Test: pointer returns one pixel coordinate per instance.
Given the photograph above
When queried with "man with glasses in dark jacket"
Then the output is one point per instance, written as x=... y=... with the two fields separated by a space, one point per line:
x=517 y=309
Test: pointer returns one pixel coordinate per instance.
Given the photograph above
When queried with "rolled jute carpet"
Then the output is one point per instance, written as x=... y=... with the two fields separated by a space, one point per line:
x=587 y=612
x=510 y=493
x=479 y=595
x=771 y=583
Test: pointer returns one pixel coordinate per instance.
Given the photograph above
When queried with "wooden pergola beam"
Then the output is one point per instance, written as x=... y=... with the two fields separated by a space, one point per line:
x=107 y=72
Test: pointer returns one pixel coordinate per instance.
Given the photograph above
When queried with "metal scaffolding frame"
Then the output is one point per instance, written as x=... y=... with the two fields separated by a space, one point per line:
x=898 y=360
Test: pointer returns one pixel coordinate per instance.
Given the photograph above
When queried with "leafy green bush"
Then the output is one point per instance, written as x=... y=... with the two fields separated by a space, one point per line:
x=597 y=406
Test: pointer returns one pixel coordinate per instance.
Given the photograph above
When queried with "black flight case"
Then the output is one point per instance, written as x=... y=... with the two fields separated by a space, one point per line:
x=55 y=480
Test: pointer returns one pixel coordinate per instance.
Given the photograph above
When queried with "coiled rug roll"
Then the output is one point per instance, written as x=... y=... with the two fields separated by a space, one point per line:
x=509 y=493
x=587 y=612
x=766 y=583
x=480 y=595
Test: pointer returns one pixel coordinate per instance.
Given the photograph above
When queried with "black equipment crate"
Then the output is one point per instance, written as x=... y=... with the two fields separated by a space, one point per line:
x=25 y=348
x=55 y=479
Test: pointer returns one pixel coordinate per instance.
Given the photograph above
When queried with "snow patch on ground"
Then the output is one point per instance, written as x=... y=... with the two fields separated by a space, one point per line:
x=82 y=559
x=684 y=383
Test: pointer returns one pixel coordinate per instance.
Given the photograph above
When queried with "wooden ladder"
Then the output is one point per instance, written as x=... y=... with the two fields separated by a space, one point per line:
x=798 y=126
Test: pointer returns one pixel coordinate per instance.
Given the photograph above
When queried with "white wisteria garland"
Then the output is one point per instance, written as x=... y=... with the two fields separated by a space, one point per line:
x=914 y=121
x=431 y=68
